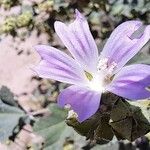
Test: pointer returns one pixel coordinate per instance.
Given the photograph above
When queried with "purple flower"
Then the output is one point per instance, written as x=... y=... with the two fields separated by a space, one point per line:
x=90 y=74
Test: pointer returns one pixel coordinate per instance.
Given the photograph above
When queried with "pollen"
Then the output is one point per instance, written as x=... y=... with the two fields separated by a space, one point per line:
x=102 y=64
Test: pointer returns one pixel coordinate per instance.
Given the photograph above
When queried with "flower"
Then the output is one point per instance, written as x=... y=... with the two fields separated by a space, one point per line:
x=91 y=74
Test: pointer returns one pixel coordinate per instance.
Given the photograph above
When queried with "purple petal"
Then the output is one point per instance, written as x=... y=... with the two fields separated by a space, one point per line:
x=121 y=47
x=82 y=100
x=132 y=82
x=59 y=66
x=79 y=41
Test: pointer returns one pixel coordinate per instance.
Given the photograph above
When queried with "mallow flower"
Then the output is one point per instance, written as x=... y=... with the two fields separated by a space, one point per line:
x=90 y=74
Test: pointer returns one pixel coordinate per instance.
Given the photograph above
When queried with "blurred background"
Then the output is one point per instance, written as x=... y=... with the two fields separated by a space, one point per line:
x=26 y=23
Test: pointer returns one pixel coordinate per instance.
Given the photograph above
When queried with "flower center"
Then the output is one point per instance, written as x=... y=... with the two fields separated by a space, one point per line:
x=99 y=80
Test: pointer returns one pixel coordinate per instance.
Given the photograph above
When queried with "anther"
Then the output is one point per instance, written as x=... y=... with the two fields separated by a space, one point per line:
x=102 y=64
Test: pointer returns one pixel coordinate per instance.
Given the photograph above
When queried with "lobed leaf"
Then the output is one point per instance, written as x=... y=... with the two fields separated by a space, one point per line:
x=54 y=130
x=9 y=116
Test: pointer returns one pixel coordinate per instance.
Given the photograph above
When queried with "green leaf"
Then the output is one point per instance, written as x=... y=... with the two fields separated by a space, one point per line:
x=9 y=117
x=57 y=115
x=54 y=130
x=7 y=96
x=117 y=9
x=129 y=121
x=112 y=146
x=95 y=128
x=26 y=8
x=94 y=17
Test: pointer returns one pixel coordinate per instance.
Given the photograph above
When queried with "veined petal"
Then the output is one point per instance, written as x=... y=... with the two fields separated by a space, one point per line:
x=82 y=100
x=121 y=47
x=79 y=41
x=59 y=66
x=132 y=82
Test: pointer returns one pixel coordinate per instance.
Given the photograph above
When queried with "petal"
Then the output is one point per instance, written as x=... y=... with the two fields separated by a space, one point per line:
x=82 y=100
x=58 y=66
x=121 y=46
x=132 y=82
x=79 y=41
